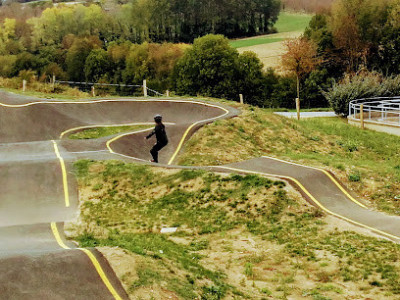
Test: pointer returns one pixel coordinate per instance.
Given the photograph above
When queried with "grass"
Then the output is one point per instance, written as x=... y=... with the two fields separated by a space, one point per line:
x=367 y=161
x=287 y=22
x=40 y=89
x=239 y=237
x=98 y=132
x=255 y=41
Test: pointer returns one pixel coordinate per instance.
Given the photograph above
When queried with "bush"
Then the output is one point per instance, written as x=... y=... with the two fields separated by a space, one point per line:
x=356 y=87
x=284 y=93
x=7 y=63
x=27 y=75
x=11 y=83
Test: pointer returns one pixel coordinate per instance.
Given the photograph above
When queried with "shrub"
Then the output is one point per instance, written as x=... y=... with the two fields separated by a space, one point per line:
x=7 y=63
x=27 y=75
x=355 y=176
x=352 y=88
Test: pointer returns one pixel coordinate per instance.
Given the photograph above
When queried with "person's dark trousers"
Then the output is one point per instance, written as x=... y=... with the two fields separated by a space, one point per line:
x=154 y=151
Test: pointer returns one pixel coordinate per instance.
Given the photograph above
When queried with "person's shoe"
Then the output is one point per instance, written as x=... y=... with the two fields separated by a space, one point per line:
x=153 y=161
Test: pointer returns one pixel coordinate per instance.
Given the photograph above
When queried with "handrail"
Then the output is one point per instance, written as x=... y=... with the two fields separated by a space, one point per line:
x=382 y=110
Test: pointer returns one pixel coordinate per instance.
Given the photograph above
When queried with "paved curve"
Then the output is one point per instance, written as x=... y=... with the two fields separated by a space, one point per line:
x=39 y=192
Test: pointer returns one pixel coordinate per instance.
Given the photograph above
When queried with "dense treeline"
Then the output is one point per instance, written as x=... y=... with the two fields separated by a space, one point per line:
x=355 y=38
x=148 y=20
x=115 y=43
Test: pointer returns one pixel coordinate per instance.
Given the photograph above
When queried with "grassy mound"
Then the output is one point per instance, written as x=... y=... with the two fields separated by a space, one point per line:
x=238 y=237
x=98 y=132
x=367 y=161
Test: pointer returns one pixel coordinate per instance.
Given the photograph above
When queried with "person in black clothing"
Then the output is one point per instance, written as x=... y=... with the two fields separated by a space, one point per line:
x=161 y=136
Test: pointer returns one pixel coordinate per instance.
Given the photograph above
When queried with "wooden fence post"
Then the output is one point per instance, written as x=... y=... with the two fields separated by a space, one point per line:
x=241 y=98
x=298 y=108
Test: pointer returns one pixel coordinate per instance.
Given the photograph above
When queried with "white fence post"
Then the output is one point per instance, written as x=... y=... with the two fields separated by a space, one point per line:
x=93 y=91
x=362 y=116
x=24 y=85
x=167 y=93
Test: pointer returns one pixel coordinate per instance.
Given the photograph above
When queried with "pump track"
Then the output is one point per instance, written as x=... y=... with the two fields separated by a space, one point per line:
x=39 y=192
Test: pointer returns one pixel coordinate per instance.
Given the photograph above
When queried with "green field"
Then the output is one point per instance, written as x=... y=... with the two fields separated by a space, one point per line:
x=254 y=42
x=287 y=22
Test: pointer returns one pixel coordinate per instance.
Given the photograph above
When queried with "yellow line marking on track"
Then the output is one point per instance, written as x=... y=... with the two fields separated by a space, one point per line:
x=132 y=100
x=114 y=125
x=57 y=236
x=380 y=232
x=92 y=258
x=327 y=174
x=64 y=174
x=121 y=136
x=190 y=128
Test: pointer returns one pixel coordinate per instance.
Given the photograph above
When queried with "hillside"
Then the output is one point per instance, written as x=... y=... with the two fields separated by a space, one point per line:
x=355 y=156
x=237 y=237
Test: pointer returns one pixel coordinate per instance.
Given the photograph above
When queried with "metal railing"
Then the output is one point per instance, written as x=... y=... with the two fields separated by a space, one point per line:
x=382 y=110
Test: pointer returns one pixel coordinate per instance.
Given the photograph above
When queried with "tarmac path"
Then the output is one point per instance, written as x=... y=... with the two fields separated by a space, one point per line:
x=39 y=192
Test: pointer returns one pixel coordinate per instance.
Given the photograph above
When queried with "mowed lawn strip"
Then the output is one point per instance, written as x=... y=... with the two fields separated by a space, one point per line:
x=238 y=237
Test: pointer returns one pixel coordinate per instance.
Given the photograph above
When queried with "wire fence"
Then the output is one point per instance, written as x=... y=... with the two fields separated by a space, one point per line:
x=112 y=88
x=382 y=110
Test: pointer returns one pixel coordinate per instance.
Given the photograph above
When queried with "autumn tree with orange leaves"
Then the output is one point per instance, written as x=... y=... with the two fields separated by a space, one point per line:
x=300 y=59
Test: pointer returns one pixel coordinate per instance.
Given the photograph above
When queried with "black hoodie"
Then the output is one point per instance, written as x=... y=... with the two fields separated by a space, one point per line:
x=160 y=133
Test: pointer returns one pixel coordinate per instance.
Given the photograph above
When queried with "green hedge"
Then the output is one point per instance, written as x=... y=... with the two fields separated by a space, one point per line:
x=364 y=85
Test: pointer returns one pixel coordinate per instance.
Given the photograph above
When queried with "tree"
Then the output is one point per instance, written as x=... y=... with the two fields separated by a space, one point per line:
x=137 y=64
x=300 y=59
x=77 y=54
x=357 y=27
x=208 y=68
x=97 y=65
x=251 y=81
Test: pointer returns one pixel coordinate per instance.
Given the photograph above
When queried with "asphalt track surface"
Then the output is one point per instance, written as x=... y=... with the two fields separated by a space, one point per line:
x=39 y=192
